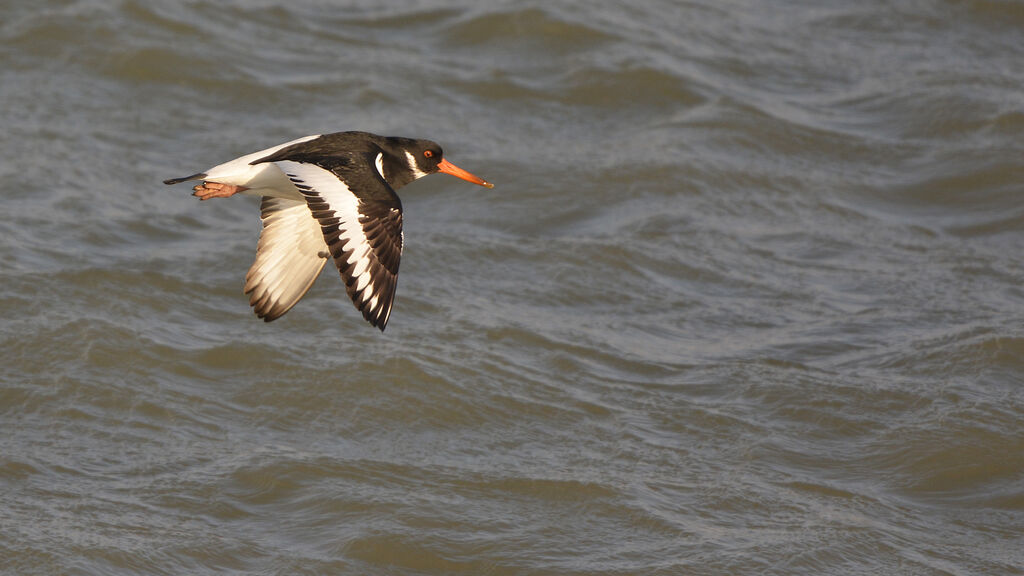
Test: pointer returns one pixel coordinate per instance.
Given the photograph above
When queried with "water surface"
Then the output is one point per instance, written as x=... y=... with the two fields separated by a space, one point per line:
x=746 y=298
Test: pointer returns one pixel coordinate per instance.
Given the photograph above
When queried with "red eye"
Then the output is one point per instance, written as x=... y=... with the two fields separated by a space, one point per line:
x=428 y=154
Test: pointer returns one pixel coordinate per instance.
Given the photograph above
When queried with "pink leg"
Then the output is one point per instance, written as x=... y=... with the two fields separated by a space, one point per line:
x=208 y=190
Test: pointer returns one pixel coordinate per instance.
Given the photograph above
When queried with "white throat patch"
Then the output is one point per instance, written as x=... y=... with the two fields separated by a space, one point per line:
x=380 y=165
x=416 y=172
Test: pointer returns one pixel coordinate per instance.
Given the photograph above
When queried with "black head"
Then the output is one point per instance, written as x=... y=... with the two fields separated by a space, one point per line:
x=423 y=157
x=413 y=159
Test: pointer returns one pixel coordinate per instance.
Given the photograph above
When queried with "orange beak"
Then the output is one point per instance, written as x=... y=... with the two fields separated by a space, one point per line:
x=449 y=168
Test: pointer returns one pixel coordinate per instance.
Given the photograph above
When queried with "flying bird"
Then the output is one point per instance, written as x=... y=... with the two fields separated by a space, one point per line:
x=327 y=196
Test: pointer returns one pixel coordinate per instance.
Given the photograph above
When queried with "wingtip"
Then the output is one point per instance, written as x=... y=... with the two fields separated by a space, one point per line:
x=378 y=321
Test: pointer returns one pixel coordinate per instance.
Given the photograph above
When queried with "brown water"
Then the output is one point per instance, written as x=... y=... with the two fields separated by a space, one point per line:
x=746 y=299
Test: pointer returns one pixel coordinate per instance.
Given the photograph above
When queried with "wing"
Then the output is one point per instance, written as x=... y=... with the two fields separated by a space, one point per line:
x=363 y=230
x=289 y=257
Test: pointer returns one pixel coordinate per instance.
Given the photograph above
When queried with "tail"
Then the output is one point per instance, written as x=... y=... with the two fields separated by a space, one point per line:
x=196 y=176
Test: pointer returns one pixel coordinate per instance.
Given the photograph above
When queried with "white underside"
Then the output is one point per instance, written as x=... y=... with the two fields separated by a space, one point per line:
x=264 y=179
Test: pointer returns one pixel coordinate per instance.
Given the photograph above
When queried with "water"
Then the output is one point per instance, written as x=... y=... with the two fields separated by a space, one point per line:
x=746 y=298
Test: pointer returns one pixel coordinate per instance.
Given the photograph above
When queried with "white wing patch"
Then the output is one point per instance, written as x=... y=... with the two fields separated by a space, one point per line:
x=369 y=283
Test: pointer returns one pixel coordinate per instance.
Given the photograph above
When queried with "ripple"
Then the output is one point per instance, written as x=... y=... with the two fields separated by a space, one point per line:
x=531 y=30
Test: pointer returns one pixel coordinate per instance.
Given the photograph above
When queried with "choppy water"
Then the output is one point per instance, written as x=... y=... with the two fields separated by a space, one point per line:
x=747 y=298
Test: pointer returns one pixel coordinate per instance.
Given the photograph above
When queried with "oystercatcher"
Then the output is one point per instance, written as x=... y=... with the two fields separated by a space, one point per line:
x=327 y=196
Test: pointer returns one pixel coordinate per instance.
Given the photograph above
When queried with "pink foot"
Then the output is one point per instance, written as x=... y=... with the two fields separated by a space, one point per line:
x=208 y=190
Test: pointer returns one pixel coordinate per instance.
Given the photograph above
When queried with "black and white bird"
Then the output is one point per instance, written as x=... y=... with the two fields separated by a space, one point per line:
x=327 y=196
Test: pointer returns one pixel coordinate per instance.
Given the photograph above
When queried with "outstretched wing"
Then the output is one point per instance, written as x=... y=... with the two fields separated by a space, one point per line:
x=362 y=226
x=289 y=256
